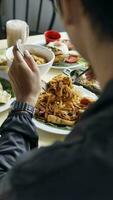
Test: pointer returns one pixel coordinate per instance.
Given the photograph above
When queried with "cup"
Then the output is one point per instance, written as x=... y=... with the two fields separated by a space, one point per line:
x=16 y=29
x=52 y=36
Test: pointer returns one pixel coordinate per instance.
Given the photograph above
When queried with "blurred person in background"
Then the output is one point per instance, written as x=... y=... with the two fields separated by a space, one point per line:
x=80 y=167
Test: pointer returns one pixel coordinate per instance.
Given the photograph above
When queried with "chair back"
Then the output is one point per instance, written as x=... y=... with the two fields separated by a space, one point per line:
x=36 y=13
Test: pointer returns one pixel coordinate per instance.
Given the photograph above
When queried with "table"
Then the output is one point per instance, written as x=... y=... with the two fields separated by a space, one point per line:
x=45 y=138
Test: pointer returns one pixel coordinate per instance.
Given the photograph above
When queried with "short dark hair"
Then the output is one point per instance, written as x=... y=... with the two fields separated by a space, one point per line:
x=100 y=13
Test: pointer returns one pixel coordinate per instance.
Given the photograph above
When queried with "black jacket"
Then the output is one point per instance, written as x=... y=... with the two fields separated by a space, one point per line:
x=79 y=168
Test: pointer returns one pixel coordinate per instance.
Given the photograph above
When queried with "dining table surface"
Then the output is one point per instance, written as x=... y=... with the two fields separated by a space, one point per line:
x=45 y=138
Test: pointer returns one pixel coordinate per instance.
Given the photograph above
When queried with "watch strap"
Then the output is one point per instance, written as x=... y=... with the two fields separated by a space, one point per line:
x=17 y=106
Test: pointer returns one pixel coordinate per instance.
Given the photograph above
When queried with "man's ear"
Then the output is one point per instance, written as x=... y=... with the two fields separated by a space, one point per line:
x=71 y=11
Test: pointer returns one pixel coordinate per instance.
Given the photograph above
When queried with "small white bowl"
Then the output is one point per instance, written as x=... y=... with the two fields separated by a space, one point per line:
x=38 y=49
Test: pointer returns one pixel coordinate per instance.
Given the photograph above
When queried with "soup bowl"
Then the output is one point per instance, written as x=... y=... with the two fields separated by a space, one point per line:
x=38 y=51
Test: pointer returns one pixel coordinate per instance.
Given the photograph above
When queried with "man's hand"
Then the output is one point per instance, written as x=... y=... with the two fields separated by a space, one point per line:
x=25 y=78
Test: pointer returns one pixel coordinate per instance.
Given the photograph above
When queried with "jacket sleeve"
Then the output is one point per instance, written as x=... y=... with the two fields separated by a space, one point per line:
x=17 y=136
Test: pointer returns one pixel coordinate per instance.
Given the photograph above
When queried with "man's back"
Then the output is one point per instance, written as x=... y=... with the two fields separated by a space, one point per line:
x=81 y=167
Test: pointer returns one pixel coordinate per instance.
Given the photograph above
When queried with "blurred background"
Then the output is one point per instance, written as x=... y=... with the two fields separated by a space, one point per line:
x=39 y=14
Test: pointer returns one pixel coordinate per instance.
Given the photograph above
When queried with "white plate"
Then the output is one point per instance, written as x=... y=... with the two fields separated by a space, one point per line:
x=7 y=105
x=60 y=130
x=76 y=66
x=65 y=65
x=85 y=93
x=50 y=129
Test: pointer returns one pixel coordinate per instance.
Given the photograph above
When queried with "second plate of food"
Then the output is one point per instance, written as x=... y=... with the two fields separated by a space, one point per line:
x=66 y=57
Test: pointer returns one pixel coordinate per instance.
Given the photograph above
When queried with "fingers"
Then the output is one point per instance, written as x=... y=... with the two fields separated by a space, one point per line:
x=15 y=51
x=30 y=61
x=11 y=74
x=12 y=81
x=19 y=63
x=27 y=61
x=18 y=58
x=24 y=77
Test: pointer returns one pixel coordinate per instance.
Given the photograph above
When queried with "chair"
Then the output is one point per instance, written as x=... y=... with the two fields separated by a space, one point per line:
x=0 y=21
x=40 y=9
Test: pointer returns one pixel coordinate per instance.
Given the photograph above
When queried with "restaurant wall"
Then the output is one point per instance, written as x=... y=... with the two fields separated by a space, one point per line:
x=33 y=11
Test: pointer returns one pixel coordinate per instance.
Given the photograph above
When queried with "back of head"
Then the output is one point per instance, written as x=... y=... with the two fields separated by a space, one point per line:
x=100 y=13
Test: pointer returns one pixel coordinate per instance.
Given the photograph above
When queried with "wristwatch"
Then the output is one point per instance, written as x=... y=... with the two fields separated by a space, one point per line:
x=17 y=106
